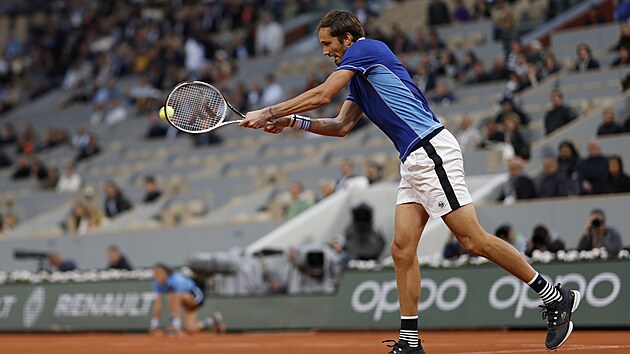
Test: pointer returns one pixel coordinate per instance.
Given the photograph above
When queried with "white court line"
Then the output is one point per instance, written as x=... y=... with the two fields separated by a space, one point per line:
x=576 y=347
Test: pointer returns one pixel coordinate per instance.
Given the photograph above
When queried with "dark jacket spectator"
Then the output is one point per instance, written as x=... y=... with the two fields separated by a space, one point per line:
x=460 y=12
x=514 y=136
x=624 y=37
x=585 y=60
x=452 y=248
x=61 y=265
x=594 y=17
x=550 y=66
x=568 y=159
x=623 y=57
x=151 y=190
x=5 y=160
x=597 y=234
x=609 y=125
x=592 y=170
x=552 y=184
x=156 y=128
x=88 y=150
x=559 y=115
x=519 y=186
x=542 y=241
x=616 y=179
x=491 y=134
x=115 y=201
x=438 y=13
x=116 y=259
x=508 y=107
x=23 y=168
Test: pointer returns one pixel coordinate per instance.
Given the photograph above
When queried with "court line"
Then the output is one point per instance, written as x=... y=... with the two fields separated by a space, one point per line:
x=575 y=347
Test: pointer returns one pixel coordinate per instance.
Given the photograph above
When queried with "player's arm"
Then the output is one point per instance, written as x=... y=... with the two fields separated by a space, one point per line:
x=157 y=312
x=312 y=99
x=341 y=125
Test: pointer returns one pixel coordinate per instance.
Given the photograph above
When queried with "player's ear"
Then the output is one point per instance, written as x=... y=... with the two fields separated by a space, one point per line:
x=348 y=38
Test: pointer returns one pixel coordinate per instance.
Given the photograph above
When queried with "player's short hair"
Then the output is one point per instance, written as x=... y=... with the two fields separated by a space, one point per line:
x=341 y=22
x=166 y=268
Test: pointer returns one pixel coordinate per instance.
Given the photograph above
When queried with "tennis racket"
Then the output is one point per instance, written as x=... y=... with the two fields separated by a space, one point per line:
x=198 y=107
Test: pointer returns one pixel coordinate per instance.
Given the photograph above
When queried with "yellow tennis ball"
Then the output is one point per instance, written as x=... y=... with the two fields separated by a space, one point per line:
x=169 y=112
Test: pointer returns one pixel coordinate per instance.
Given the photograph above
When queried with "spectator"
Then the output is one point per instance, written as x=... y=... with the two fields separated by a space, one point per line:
x=326 y=188
x=491 y=134
x=507 y=233
x=535 y=53
x=115 y=201
x=8 y=135
x=550 y=66
x=374 y=172
x=151 y=190
x=519 y=186
x=559 y=114
x=499 y=71
x=568 y=160
x=617 y=181
x=442 y=95
x=514 y=136
x=593 y=17
x=363 y=240
x=478 y=74
x=622 y=11
x=273 y=92
x=23 y=168
x=38 y=170
x=468 y=135
x=10 y=221
x=79 y=220
x=437 y=13
x=516 y=48
x=434 y=44
x=543 y=241
x=300 y=199
x=5 y=160
x=51 y=180
x=592 y=170
x=348 y=178
x=116 y=259
x=552 y=184
x=269 y=36
x=157 y=129
x=585 y=60
x=482 y=10
x=624 y=37
x=80 y=139
x=597 y=234
x=504 y=20
x=424 y=79
x=609 y=125
x=88 y=150
x=69 y=181
x=61 y=265
x=508 y=107
x=622 y=59
x=460 y=12
x=452 y=248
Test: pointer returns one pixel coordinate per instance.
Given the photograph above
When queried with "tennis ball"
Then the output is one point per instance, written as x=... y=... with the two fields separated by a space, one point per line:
x=169 y=112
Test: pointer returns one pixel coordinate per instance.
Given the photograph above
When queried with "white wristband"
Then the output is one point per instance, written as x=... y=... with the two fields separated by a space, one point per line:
x=176 y=323
x=300 y=122
x=155 y=323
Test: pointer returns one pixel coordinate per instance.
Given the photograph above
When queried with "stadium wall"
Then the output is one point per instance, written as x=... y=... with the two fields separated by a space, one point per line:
x=481 y=296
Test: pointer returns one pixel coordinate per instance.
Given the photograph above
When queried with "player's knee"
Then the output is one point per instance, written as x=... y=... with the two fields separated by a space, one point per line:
x=402 y=255
x=472 y=245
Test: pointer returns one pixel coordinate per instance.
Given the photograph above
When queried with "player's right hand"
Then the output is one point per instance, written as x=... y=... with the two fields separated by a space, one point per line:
x=277 y=126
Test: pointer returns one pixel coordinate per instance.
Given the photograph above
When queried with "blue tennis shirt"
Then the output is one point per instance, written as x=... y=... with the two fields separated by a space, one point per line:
x=384 y=91
x=175 y=283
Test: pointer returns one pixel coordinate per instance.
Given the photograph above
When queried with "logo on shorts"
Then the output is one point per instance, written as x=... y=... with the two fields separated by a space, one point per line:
x=441 y=205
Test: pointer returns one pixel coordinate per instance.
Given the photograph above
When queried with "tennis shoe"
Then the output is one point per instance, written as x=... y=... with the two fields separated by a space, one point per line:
x=218 y=325
x=558 y=316
x=402 y=347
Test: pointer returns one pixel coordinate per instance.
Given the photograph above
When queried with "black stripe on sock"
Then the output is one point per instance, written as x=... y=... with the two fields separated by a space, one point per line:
x=539 y=284
x=409 y=324
x=441 y=172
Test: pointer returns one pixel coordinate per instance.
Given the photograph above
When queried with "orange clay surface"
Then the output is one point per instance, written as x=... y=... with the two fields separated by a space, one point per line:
x=435 y=342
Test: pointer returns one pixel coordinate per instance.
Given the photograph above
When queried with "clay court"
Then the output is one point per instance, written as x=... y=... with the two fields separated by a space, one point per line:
x=436 y=342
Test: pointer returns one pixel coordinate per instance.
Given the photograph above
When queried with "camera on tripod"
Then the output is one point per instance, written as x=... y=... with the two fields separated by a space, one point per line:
x=40 y=257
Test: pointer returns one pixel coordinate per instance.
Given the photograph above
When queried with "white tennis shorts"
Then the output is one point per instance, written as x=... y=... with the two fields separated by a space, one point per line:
x=433 y=176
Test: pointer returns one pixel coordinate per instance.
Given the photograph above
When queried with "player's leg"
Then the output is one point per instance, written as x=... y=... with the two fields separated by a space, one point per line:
x=175 y=305
x=409 y=223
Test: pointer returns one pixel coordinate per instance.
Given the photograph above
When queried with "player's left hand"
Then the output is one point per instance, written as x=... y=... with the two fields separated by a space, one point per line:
x=255 y=119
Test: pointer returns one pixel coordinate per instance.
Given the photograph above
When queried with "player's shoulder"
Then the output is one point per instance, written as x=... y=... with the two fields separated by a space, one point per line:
x=366 y=44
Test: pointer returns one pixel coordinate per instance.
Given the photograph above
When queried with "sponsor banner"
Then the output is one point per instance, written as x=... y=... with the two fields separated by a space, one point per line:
x=466 y=297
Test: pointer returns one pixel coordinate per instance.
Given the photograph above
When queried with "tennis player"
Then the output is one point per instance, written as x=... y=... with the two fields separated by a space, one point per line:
x=432 y=168
x=181 y=292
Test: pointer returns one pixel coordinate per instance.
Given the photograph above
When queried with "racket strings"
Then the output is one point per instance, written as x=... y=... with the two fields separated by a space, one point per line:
x=196 y=108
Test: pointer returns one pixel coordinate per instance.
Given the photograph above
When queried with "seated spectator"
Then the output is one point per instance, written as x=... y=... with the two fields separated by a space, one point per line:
x=452 y=248
x=559 y=114
x=348 y=178
x=151 y=190
x=326 y=188
x=11 y=221
x=514 y=136
x=543 y=241
x=438 y=13
x=51 y=180
x=624 y=37
x=434 y=43
x=157 y=128
x=115 y=200
x=592 y=170
x=617 y=181
x=23 y=168
x=38 y=170
x=80 y=139
x=79 y=220
x=516 y=48
x=460 y=12
x=362 y=240
x=609 y=125
x=88 y=150
x=8 y=135
x=499 y=71
x=482 y=10
x=553 y=183
x=504 y=20
x=491 y=134
x=507 y=233
x=478 y=74
x=535 y=53
x=448 y=65
x=269 y=35
x=598 y=234
x=424 y=79
x=116 y=259
x=550 y=66
x=69 y=181
x=5 y=160
x=273 y=91
x=515 y=83
x=61 y=265
x=374 y=172
x=568 y=159
x=622 y=59
x=594 y=17
x=585 y=60
x=300 y=199
x=467 y=134
x=442 y=95
x=519 y=186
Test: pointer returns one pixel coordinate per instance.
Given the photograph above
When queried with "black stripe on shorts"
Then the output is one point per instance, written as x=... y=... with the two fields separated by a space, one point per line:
x=439 y=169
